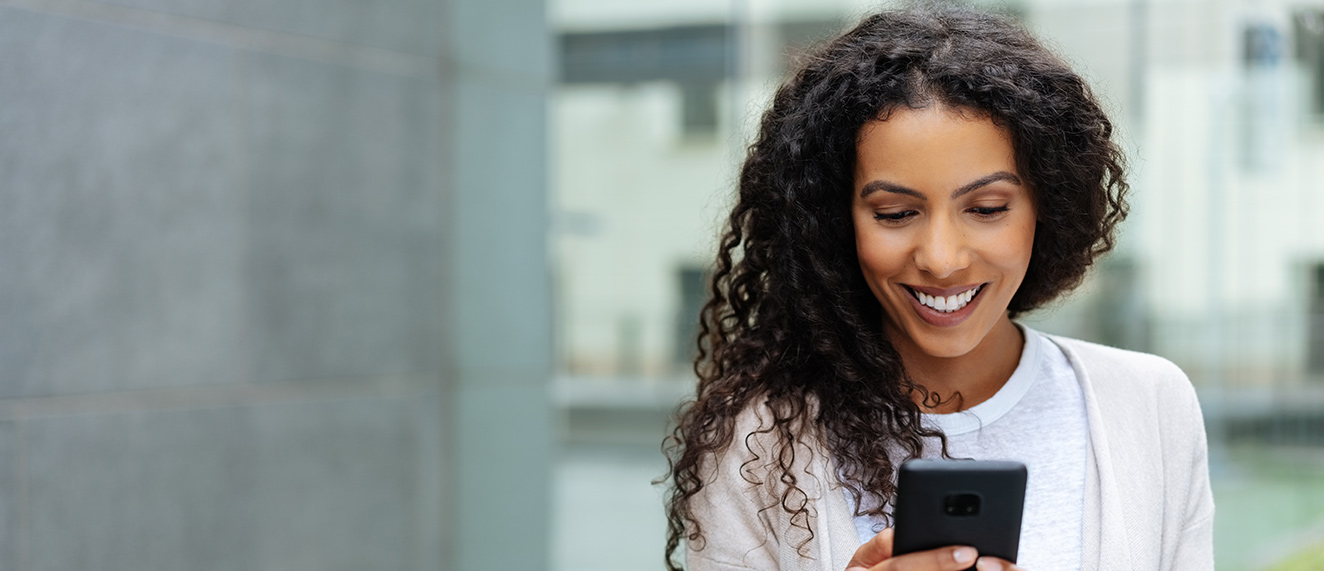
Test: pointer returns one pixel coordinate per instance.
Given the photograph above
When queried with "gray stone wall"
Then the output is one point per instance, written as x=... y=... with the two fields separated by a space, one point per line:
x=266 y=300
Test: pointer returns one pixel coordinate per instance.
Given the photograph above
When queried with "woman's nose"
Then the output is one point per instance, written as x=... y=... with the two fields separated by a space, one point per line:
x=942 y=250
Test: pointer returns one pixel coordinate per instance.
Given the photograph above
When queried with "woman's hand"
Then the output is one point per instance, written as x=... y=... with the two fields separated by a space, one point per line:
x=876 y=555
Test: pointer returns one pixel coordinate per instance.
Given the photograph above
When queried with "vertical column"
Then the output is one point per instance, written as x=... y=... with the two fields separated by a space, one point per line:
x=499 y=336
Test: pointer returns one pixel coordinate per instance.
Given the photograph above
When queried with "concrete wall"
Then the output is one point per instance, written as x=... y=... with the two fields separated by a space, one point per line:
x=244 y=253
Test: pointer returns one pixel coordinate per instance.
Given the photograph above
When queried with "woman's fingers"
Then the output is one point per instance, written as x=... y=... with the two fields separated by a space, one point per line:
x=995 y=564
x=941 y=559
x=875 y=556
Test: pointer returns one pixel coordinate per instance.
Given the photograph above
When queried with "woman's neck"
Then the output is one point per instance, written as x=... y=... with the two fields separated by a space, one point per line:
x=977 y=375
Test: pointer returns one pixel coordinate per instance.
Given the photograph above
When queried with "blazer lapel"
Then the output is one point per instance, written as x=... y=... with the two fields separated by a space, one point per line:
x=1104 y=545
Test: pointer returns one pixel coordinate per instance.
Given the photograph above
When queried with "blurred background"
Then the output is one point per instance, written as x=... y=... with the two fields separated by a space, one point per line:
x=1220 y=107
x=409 y=284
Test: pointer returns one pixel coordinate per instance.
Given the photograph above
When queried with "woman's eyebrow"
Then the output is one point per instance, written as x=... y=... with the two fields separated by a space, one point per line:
x=877 y=185
x=986 y=180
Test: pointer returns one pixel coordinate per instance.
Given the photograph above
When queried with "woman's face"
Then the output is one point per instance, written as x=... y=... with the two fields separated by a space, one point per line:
x=944 y=225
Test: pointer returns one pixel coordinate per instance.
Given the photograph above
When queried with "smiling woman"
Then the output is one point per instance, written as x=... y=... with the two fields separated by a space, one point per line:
x=917 y=184
x=944 y=228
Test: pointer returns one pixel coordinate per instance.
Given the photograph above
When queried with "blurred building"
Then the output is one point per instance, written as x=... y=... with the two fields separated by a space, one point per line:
x=1219 y=107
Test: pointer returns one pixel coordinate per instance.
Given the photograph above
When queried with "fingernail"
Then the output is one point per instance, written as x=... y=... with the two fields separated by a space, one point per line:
x=964 y=554
x=986 y=564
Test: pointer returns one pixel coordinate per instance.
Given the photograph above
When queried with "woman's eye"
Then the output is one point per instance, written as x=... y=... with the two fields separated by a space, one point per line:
x=989 y=211
x=893 y=216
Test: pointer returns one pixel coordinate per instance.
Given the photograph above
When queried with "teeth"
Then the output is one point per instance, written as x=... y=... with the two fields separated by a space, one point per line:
x=947 y=304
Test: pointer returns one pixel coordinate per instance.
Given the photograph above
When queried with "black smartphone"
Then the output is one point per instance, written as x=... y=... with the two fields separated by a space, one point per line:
x=960 y=502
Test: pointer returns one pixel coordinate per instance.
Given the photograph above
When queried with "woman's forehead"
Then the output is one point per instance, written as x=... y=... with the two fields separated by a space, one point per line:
x=935 y=147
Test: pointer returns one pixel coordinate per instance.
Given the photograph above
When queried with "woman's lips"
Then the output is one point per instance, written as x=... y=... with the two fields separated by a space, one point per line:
x=945 y=318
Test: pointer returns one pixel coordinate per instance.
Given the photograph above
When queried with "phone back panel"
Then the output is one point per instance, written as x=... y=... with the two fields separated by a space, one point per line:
x=935 y=499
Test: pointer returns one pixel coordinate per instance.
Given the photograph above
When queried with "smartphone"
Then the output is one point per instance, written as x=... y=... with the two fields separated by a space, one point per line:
x=960 y=502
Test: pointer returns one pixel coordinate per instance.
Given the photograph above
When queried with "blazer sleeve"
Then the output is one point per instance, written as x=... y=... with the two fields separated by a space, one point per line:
x=746 y=509
x=734 y=527
x=1194 y=550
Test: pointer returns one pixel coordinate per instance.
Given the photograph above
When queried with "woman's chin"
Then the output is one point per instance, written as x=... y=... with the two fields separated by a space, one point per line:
x=941 y=343
x=947 y=349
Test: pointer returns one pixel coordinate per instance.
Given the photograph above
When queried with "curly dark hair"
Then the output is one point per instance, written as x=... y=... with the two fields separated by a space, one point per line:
x=792 y=325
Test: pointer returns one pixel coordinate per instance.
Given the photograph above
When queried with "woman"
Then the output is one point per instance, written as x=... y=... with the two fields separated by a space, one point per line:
x=918 y=183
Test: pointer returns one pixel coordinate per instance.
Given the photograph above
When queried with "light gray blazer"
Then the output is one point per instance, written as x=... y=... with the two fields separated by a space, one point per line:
x=1148 y=505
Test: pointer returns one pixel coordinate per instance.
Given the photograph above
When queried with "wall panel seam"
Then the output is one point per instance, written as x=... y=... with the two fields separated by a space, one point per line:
x=240 y=37
x=219 y=396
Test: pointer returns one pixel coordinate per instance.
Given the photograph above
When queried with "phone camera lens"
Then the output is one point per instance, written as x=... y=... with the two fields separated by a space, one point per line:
x=961 y=505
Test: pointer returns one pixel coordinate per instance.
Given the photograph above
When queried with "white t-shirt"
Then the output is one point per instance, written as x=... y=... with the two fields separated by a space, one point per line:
x=1038 y=418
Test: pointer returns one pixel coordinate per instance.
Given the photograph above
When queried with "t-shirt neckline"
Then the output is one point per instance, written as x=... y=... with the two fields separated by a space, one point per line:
x=989 y=411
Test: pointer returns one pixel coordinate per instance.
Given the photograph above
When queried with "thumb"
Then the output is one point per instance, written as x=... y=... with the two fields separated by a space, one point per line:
x=873 y=552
